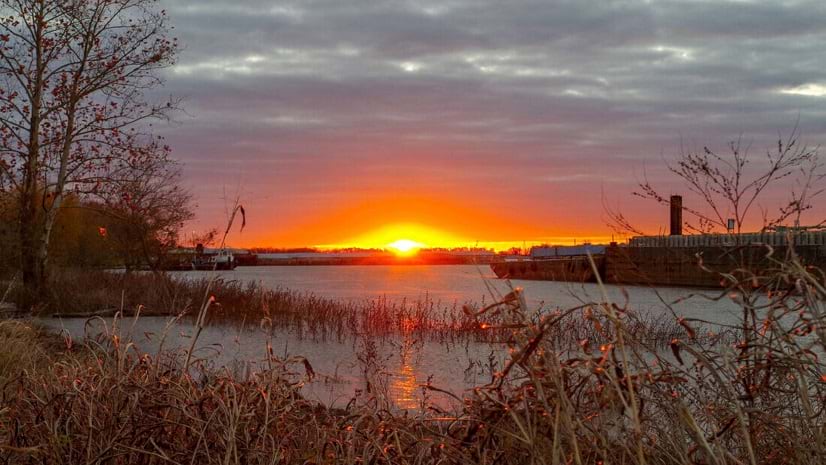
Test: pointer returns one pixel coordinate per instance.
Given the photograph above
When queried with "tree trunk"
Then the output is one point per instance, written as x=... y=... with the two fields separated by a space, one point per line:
x=30 y=237
x=44 y=241
x=29 y=264
x=44 y=233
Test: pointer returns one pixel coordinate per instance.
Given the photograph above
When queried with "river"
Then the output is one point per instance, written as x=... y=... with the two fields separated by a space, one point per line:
x=399 y=366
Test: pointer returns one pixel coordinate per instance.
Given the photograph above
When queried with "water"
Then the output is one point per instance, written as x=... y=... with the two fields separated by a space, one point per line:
x=398 y=366
x=449 y=284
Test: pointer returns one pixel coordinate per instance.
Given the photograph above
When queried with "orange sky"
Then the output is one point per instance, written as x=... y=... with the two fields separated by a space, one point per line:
x=431 y=221
x=452 y=123
x=374 y=216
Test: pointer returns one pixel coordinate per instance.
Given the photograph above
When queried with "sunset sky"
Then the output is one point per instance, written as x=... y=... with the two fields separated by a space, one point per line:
x=457 y=122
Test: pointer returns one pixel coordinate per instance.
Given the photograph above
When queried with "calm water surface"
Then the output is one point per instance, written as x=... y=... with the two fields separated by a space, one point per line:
x=448 y=284
x=401 y=365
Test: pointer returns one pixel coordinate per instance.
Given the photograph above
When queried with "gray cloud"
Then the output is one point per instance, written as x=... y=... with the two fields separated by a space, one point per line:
x=282 y=91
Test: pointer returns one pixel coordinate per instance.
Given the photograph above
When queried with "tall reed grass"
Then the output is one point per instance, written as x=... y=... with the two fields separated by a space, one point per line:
x=755 y=396
x=306 y=314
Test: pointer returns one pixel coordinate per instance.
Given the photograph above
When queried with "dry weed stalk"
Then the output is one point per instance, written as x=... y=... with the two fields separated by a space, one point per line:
x=757 y=400
x=755 y=396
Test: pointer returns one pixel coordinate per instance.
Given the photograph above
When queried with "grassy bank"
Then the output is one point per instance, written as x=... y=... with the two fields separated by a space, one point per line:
x=757 y=396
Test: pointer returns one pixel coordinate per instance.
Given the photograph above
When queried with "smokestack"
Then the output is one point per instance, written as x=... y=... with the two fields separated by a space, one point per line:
x=676 y=215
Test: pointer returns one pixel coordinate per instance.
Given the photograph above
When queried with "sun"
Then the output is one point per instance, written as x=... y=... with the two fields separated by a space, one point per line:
x=405 y=246
x=403 y=239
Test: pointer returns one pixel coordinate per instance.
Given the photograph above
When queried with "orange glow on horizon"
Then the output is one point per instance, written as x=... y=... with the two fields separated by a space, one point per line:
x=402 y=238
x=434 y=222
x=406 y=239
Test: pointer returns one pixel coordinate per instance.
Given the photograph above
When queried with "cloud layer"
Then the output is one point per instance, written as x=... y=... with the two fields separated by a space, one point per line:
x=520 y=108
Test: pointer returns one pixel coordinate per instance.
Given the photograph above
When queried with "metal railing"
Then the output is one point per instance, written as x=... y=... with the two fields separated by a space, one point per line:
x=805 y=238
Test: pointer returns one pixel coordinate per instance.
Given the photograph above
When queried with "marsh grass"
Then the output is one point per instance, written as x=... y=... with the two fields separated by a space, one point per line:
x=105 y=402
x=24 y=347
x=310 y=316
x=754 y=393
x=754 y=397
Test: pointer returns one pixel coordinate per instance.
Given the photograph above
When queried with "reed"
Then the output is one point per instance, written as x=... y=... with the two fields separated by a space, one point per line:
x=22 y=349
x=756 y=396
x=305 y=314
x=753 y=394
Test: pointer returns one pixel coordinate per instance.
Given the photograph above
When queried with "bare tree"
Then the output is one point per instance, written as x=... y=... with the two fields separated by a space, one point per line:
x=149 y=207
x=617 y=221
x=731 y=185
x=73 y=74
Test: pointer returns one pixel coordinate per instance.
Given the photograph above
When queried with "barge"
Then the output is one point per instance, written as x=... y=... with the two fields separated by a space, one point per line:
x=698 y=260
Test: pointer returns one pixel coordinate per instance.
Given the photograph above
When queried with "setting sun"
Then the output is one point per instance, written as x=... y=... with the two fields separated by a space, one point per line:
x=405 y=246
x=402 y=238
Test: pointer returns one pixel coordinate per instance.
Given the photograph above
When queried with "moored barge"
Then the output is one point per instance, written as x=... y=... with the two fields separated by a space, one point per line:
x=699 y=260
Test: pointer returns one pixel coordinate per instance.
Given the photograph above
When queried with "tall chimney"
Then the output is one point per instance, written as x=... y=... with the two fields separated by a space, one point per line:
x=676 y=215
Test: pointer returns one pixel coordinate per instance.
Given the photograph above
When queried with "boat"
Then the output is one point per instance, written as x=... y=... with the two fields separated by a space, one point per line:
x=221 y=260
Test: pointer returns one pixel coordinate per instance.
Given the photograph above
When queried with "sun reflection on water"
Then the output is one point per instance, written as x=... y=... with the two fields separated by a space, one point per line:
x=403 y=386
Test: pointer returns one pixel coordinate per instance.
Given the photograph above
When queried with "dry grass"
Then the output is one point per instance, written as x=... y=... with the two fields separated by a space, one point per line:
x=235 y=302
x=107 y=403
x=24 y=348
x=311 y=316
x=760 y=399
x=756 y=396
